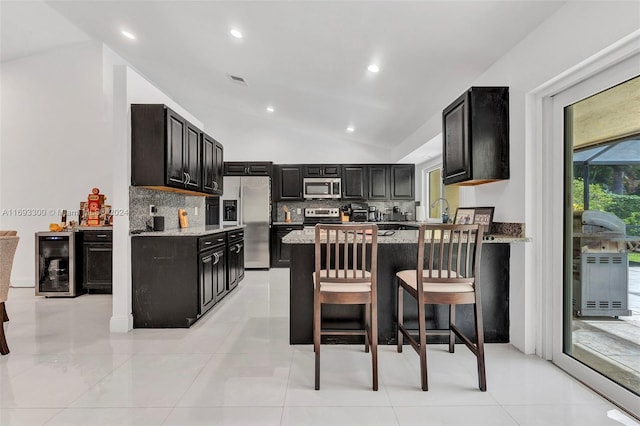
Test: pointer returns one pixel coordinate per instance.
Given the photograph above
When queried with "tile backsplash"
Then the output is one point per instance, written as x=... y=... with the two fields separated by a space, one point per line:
x=167 y=205
x=293 y=206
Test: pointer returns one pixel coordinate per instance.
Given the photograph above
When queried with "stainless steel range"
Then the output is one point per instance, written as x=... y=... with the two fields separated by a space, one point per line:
x=313 y=216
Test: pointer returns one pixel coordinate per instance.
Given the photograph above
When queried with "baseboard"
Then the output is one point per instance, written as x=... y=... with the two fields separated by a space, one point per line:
x=24 y=283
x=121 y=324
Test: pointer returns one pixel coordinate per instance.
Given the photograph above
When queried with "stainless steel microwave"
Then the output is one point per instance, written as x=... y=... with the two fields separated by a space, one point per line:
x=322 y=187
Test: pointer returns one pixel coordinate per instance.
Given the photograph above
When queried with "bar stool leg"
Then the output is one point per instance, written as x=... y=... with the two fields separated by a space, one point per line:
x=400 y=315
x=452 y=335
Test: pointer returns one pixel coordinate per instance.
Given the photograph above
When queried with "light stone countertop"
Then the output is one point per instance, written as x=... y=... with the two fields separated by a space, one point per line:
x=395 y=237
x=196 y=231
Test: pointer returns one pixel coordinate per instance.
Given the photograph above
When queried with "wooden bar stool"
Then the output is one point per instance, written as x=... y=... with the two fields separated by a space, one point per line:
x=448 y=267
x=342 y=253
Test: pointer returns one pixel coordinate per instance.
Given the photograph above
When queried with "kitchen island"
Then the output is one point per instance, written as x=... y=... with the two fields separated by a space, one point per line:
x=396 y=252
x=178 y=275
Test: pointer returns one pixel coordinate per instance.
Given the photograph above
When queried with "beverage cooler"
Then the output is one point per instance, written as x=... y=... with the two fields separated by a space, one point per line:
x=58 y=264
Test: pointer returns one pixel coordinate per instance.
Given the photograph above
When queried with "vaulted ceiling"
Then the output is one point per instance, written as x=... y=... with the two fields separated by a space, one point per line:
x=306 y=59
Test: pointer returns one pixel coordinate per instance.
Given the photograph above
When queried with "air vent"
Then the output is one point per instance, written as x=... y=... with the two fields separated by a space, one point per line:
x=237 y=79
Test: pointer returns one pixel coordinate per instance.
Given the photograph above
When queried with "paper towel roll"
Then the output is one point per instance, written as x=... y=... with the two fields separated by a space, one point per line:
x=420 y=214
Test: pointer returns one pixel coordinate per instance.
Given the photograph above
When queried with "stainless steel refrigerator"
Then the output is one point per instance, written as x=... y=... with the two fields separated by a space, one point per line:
x=247 y=201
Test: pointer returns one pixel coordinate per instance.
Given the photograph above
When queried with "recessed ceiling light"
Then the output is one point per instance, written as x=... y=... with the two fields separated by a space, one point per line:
x=128 y=35
x=270 y=109
x=236 y=33
x=351 y=129
x=373 y=68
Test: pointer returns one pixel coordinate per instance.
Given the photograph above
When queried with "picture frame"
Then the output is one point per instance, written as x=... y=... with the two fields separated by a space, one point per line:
x=464 y=215
x=475 y=215
x=484 y=217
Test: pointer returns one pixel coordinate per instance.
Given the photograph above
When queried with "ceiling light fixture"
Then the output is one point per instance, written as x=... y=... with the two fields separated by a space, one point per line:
x=351 y=129
x=373 y=68
x=270 y=109
x=128 y=35
x=236 y=33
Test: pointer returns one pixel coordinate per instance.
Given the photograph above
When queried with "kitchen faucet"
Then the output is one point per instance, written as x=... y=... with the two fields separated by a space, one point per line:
x=445 y=211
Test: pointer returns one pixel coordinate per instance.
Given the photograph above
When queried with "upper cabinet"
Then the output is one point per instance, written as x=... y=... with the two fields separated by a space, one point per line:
x=321 y=170
x=168 y=151
x=250 y=168
x=403 y=181
x=212 y=165
x=354 y=182
x=192 y=158
x=288 y=182
x=378 y=179
x=475 y=143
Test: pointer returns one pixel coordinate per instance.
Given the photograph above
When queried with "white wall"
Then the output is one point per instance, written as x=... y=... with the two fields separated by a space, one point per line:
x=577 y=31
x=55 y=142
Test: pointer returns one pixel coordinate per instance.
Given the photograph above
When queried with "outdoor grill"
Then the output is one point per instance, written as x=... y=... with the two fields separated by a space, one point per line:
x=600 y=264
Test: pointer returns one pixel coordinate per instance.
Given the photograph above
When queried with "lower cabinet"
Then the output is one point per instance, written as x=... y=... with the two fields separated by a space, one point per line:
x=97 y=260
x=212 y=283
x=281 y=253
x=235 y=258
x=177 y=279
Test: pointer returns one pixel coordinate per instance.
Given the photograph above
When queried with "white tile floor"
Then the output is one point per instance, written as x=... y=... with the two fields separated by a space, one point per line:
x=235 y=367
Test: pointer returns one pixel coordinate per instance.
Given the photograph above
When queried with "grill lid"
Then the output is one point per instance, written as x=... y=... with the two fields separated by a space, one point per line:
x=597 y=221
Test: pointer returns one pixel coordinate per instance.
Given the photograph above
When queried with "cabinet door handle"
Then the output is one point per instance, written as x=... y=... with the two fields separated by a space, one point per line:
x=289 y=229
x=215 y=185
x=239 y=246
x=186 y=179
x=101 y=236
x=220 y=239
x=216 y=258
x=207 y=243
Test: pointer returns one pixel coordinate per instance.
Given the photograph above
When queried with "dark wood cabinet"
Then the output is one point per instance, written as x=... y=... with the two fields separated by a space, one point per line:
x=354 y=182
x=97 y=260
x=192 y=158
x=176 y=130
x=378 y=181
x=281 y=253
x=402 y=181
x=289 y=182
x=212 y=277
x=168 y=151
x=176 y=280
x=212 y=165
x=251 y=168
x=321 y=170
x=475 y=143
x=235 y=258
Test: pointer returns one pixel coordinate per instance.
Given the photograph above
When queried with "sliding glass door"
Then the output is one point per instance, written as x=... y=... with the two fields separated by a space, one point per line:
x=598 y=132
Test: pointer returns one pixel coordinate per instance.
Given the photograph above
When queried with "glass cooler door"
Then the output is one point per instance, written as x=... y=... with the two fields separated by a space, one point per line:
x=54 y=257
